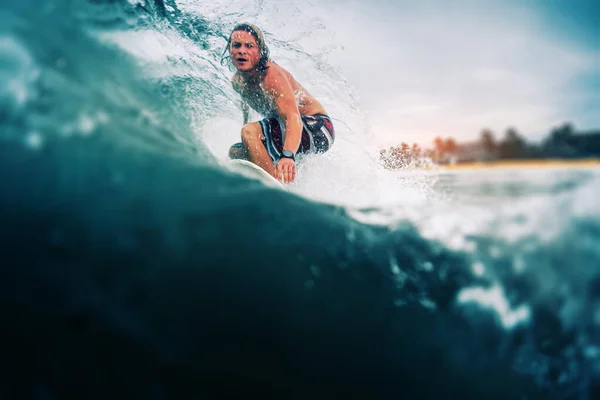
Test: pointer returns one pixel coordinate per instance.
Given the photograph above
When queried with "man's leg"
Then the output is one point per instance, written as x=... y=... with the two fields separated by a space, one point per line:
x=238 y=152
x=257 y=153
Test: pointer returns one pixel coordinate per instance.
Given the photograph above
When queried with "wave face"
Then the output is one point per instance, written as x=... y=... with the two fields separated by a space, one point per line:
x=133 y=263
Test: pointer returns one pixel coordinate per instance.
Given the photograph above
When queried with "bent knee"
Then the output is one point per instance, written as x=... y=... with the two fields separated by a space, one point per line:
x=252 y=132
x=238 y=152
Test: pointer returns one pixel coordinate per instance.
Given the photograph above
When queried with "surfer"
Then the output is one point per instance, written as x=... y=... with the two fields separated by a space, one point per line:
x=294 y=121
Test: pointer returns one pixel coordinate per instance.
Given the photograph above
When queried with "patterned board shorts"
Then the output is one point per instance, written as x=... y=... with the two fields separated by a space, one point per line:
x=318 y=135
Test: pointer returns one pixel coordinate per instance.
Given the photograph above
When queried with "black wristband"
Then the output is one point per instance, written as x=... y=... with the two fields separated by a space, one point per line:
x=288 y=154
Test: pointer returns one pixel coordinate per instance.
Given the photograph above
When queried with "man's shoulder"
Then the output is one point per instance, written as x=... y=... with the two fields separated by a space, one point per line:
x=274 y=74
x=273 y=68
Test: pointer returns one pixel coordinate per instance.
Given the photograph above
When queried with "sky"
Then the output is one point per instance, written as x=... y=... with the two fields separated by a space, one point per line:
x=451 y=68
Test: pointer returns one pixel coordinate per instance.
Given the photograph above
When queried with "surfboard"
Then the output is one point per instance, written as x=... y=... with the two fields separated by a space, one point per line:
x=252 y=170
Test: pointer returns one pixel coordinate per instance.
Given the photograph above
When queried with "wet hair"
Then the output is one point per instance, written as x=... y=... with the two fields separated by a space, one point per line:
x=260 y=41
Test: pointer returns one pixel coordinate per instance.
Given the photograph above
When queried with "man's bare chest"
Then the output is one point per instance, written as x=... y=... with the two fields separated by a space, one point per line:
x=256 y=98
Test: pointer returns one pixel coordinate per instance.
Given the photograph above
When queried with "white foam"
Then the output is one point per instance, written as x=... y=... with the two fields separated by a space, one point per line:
x=219 y=133
x=17 y=73
x=494 y=298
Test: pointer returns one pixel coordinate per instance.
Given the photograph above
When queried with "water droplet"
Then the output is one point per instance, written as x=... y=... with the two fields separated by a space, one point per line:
x=427 y=303
x=34 y=140
x=478 y=268
x=394 y=265
x=86 y=125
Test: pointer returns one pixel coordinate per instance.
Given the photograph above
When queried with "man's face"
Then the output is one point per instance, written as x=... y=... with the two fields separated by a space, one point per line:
x=244 y=51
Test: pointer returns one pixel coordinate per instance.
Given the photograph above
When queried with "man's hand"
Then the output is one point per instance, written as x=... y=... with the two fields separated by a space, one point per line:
x=286 y=169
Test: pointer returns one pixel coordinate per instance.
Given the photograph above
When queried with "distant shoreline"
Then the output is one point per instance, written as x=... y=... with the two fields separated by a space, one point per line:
x=527 y=164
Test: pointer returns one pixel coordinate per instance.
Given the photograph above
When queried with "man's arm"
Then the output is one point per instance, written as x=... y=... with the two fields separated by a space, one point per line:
x=278 y=86
x=245 y=111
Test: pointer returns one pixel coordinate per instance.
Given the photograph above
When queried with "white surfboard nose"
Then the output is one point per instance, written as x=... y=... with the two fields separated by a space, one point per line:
x=253 y=171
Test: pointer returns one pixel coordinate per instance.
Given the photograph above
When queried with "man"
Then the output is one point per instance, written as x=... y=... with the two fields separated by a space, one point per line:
x=294 y=121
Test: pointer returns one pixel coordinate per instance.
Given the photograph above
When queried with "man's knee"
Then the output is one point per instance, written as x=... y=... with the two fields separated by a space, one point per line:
x=238 y=152
x=251 y=132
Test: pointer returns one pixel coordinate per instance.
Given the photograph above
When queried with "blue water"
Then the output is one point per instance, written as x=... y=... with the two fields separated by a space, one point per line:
x=134 y=263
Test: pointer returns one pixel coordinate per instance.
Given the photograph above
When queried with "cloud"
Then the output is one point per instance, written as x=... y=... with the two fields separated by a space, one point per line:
x=438 y=69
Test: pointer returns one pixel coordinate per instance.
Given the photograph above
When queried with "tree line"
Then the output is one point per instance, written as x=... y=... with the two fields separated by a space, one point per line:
x=563 y=141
